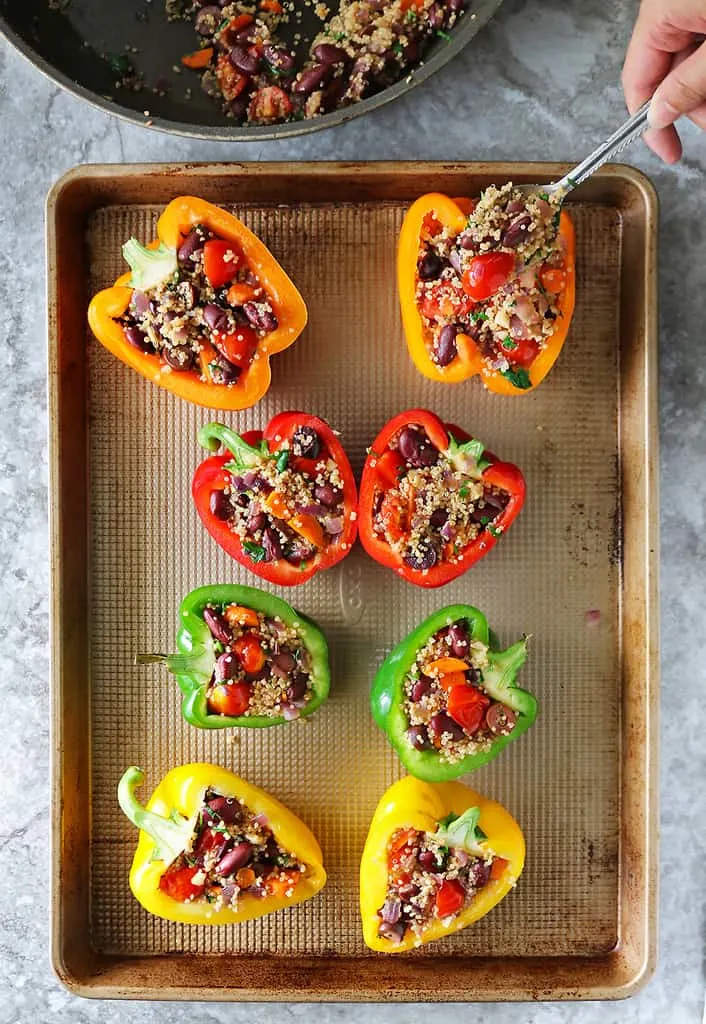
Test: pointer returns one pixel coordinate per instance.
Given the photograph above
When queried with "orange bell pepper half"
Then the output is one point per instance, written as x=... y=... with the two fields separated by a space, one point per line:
x=469 y=362
x=175 y=223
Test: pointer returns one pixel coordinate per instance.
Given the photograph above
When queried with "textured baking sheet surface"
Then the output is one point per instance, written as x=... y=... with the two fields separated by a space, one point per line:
x=559 y=560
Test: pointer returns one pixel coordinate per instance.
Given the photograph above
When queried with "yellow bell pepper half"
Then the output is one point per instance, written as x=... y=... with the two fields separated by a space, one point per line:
x=411 y=803
x=168 y=821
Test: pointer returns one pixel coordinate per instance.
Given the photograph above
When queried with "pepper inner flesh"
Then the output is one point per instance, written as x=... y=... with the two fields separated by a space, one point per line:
x=208 y=317
x=427 y=881
x=429 y=511
x=232 y=852
x=496 y=282
x=290 y=506
x=262 y=666
x=445 y=703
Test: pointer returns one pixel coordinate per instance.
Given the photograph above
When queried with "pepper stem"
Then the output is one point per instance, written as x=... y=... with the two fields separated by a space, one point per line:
x=170 y=835
x=177 y=664
x=499 y=677
x=213 y=435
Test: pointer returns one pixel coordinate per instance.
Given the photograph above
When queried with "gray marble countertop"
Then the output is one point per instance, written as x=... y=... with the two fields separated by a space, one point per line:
x=542 y=82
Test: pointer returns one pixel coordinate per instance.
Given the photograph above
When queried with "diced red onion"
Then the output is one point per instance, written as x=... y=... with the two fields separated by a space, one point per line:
x=334 y=525
x=593 y=617
x=391 y=910
x=289 y=712
x=249 y=478
x=261 y=819
x=462 y=858
x=312 y=510
x=518 y=327
x=447 y=532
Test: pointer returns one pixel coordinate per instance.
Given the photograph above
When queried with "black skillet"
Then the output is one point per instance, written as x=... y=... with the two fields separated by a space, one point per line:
x=83 y=45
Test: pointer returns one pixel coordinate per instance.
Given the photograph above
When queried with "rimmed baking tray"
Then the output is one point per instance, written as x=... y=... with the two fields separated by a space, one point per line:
x=577 y=571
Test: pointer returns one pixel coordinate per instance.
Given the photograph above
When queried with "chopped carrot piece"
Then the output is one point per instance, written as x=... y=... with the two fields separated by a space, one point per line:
x=282 y=882
x=245 y=878
x=442 y=666
x=273 y=6
x=498 y=868
x=238 y=22
x=309 y=528
x=552 y=280
x=198 y=59
x=238 y=615
x=238 y=294
x=278 y=506
x=207 y=355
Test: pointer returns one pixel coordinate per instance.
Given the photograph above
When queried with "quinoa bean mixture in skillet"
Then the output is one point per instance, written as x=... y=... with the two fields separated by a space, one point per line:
x=206 y=312
x=232 y=853
x=445 y=702
x=433 y=876
x=497 y=281
x=363 y=47
x=262 y=667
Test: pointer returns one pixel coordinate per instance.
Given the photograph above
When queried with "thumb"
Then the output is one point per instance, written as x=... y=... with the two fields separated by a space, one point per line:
x=681 y=92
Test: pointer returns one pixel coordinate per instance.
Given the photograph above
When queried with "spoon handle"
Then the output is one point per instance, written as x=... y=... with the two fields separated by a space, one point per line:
x=627 y=133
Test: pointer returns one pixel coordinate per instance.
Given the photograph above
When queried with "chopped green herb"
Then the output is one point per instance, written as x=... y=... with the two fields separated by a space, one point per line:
x=119 y=63
x=484 y=520
x=508 y=344
x=210 y=897
x=373 y=454
x=493 y=531
x=479 y=318
x=520 y=378
x=218 y=647
x=556 y=218
x=226 y=21
x=544 y=196
x=255 y=551
x=339 y=36
x=398 y=48
x=411 y=16
x=463 y=491
x=220 y=827
x=443 y=35
x=282 y=460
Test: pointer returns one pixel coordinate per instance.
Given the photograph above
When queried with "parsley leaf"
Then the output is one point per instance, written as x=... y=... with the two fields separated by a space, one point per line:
x=508 y=344
x=282 y=460
x=520 y=378
x=484 y=520
x=463 y=491
x=255 y=551
x=443 y=35
x=479 y=318
x=493 y=531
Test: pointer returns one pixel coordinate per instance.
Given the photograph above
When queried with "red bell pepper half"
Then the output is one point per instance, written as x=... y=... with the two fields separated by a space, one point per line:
x=432 y=500
x=283 y=502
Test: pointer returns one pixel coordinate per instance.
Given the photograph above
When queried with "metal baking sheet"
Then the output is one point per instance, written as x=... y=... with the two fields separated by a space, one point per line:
x=127 y=545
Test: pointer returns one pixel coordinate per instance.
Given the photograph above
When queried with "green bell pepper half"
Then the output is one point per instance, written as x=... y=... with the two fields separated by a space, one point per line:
x=498 y=680
x=194 y=662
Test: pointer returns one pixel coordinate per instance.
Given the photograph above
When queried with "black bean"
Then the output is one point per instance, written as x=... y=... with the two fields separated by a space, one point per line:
x=226 y=667
x=278 y=58
x=416 y=448
x=261 y=319
x=441 y=723
x=135 y=337
x=516 y=233
x=243 y=59
x=207 y=20
x=429 y=266
x=458 y=635
x=298 y=686
x=218 y=625
x=418 y=737
x=424 y=557
x=327 y=53
x=271 y=544
x=193 y=242
x=216 y=317
x=306 y=442
x=438 y=517
x=179 y=357
x=327 y=494
x=312 y=79
x=219 y=505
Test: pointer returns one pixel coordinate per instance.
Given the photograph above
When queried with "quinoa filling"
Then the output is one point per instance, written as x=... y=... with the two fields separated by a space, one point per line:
x=430 y=879
x=208 y=316
x=363 y=47
x=262 y=668
x=232 y=852
x=496 y=282
x=436 y=508
x=445 y=703
x=290 y=506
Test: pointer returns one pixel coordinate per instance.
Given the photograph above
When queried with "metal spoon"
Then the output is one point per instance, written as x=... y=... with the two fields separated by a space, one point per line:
x=629 y=131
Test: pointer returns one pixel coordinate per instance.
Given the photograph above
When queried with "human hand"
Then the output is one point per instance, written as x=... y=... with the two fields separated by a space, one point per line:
x=666 y=59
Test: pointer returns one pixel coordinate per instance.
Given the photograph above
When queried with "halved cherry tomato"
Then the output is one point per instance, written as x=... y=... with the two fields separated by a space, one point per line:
x=270 y=103
x=230 y=699
x=178 y=883
x=249 y=652
x=487 y=273
x=238 y=347
x=231 y=81
x=220 y=261
x=552 y=279
x=387 y=468
x=399 y=846
x=209 y=840
x=450 y=898
x=523 y=353
x=467 y=705
x=393 y=516
x=445 y=300
x=239 y=615
x=281 y=883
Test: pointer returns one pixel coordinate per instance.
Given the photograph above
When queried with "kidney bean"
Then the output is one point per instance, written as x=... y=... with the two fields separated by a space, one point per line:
x=438 y=518
x=428 y=860
x=138 y=339
x=216 y=317
x=429 y=266
x=327 y=53
x=467 y=241
x=218 y=625
x=226 y=667
x=283 y=664
x=479 y=873
x=408 y=890
x=193 y=243
x=261 y=319
x=436 y=16
x=207 y=20
x=227 y=373
x=298 y=550
x=243 y=59
x=257 y=520
x=236 y=858
x=500 y=719
x=327 y=494
x=306 y=442
x=441 y=723
x=219 y=505
x=423 y=558
x=421 y=688
x=298 y=686
x=334 y=91
x=225 y=808
x=179 y=357
x=271 y=544
x=418 y=737
x=516 y=233
x=416 y=448
x=445 y=350
x=393 y=932
x=496 y=500
x=458 y=635
x=312 y=79
x=278 y=58
x=139 y=303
